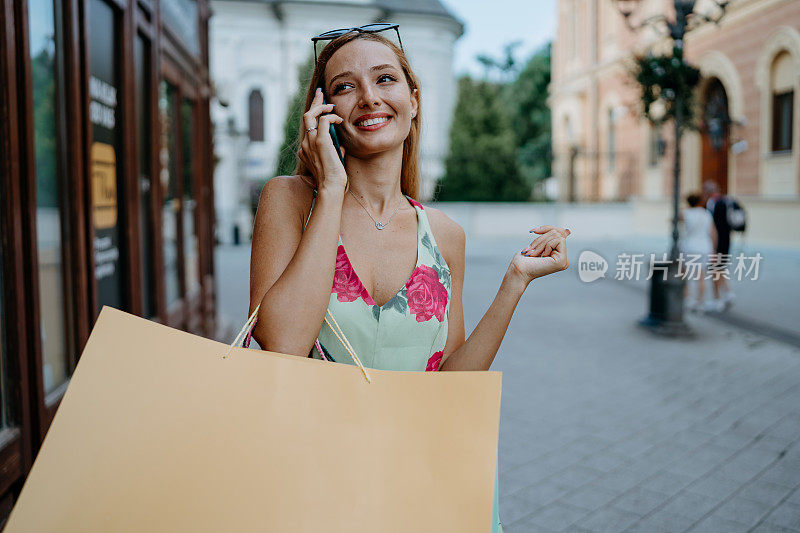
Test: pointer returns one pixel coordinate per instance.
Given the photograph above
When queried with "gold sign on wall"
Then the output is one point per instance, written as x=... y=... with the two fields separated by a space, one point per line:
x=103 y=172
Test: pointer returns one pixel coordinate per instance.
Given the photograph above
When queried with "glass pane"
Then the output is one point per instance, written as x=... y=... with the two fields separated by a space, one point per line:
x=182 y=17
x=169 y=185
x=52 y=304
x=141 y=53
x=786 y=121
x=106 y=158
x=190 y=244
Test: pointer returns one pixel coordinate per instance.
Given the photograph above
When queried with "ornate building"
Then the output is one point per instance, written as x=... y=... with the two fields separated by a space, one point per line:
x=748 y=107
x=257 y=47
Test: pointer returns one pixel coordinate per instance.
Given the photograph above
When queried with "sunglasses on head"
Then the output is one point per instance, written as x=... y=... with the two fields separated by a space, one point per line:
x=367 y=28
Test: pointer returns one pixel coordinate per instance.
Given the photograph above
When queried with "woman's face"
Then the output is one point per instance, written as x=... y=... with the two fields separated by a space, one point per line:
x=365 y=81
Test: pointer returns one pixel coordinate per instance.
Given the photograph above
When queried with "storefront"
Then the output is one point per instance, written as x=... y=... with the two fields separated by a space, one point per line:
x=105 y=191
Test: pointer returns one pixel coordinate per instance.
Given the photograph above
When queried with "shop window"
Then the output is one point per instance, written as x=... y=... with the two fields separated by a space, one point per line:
x=170 y=194
x=190 y=242
x=255 y=107
x=46 y=73
x=141 y=57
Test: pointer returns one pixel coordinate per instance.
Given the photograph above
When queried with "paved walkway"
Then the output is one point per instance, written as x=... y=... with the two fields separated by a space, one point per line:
x=606 y=428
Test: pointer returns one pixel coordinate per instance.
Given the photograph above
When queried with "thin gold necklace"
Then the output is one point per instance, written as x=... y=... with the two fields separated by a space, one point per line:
x=378 y=224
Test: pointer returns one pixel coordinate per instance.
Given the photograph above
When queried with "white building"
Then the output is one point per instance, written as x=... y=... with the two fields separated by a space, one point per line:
x=256 y=48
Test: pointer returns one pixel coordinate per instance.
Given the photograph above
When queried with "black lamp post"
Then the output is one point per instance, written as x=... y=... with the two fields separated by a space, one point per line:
x=666 y=290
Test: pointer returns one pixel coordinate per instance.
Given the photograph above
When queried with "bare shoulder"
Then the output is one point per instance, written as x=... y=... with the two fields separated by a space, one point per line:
x=287 y=196
x=449 y=235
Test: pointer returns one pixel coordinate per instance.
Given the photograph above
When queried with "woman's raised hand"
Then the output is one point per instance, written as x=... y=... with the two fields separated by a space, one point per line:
x=316 y=148
x=545 y=255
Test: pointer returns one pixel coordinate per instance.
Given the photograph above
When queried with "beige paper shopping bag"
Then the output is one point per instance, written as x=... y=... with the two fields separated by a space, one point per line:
x=158 y=432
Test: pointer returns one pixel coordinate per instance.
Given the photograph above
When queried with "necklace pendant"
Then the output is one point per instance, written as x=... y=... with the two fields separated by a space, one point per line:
x=380 y=225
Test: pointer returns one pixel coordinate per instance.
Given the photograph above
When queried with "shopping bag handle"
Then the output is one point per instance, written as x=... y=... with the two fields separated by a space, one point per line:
x=251 y=322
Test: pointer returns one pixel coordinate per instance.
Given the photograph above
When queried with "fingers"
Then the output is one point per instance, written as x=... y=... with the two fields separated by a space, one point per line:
x=544 y=248
x=543 y=229
x=540 y=242
x=315 y=110
x=325 y=122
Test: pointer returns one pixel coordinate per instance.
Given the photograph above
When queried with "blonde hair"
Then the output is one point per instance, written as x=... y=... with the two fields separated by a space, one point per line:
x=409 y=172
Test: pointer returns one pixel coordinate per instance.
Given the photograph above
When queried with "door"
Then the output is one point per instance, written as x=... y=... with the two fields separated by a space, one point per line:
x=715 y=135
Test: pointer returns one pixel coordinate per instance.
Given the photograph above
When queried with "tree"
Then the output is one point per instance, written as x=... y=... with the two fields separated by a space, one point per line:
x=287 y=154
x=531 y=117
x=481 y=164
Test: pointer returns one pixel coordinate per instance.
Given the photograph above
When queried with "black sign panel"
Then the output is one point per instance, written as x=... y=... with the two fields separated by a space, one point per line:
x=105 y=158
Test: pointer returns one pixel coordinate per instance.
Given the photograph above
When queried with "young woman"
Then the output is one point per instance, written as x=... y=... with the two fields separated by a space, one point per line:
x=352 y=239
x=699 y=238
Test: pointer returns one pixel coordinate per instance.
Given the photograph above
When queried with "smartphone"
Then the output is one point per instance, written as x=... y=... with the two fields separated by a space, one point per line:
x=334 y=137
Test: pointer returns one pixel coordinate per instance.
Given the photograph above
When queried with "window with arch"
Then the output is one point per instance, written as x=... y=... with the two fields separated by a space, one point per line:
x=782 y=84
x=255 y=110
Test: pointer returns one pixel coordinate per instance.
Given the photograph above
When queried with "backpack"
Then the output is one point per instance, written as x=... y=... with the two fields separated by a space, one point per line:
x=737 y=218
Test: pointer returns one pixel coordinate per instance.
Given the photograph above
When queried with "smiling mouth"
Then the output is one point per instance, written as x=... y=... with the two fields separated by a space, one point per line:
x=373 y=123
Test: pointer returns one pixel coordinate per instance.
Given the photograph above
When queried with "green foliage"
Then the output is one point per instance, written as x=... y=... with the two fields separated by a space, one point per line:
x=287 y=155
x=500 y=139
x=667 y=78
x=530 y=117
x=481 y=164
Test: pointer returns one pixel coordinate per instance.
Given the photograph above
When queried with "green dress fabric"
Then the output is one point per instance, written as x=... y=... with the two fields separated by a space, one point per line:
x=409 y=331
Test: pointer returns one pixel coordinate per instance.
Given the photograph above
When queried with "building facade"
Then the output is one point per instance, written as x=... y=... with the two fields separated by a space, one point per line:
x=106 y=193
x=257 y=47
x=748 y=106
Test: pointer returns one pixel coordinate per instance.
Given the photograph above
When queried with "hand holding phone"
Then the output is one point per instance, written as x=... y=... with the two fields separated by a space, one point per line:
x=334 y=136
x=320 y=142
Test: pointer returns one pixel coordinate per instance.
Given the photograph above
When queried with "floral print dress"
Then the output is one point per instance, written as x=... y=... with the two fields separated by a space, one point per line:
x=409 y=331
x=406 y=333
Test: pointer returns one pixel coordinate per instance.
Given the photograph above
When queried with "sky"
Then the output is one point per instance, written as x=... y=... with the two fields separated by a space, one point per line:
x=490 y=24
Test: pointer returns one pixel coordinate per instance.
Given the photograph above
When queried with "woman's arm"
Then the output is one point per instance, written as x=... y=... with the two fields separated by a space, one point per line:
x=291 y=270
x=479 y=350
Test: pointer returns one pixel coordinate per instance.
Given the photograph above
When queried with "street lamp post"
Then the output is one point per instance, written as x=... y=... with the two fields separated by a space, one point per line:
x=666 y=290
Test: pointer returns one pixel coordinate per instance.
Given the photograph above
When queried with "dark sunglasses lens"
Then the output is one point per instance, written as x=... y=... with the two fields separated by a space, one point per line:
x=334 y=33
x=379 y=26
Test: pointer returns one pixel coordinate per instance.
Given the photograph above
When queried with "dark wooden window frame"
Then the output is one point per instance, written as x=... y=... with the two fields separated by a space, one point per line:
x=15 y=441
x=31 y=411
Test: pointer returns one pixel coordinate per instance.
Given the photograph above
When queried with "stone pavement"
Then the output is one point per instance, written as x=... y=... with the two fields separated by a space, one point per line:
x=606 y=428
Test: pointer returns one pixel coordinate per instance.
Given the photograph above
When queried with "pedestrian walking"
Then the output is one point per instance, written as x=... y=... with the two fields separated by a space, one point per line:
x=698 y=242
x=728 y=216
x=365 y=197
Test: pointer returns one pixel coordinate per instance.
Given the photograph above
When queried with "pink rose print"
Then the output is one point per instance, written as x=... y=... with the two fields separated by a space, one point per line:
x=434 y=362
x=346 y=284
x=427 y=297
x=416 y=203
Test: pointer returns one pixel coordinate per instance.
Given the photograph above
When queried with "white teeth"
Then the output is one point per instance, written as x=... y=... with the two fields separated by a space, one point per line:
x=371 y=121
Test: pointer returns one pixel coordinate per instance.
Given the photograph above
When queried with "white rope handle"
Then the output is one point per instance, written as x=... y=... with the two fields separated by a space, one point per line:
x=339 y=335
x=346 y=344
x=245 y=328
